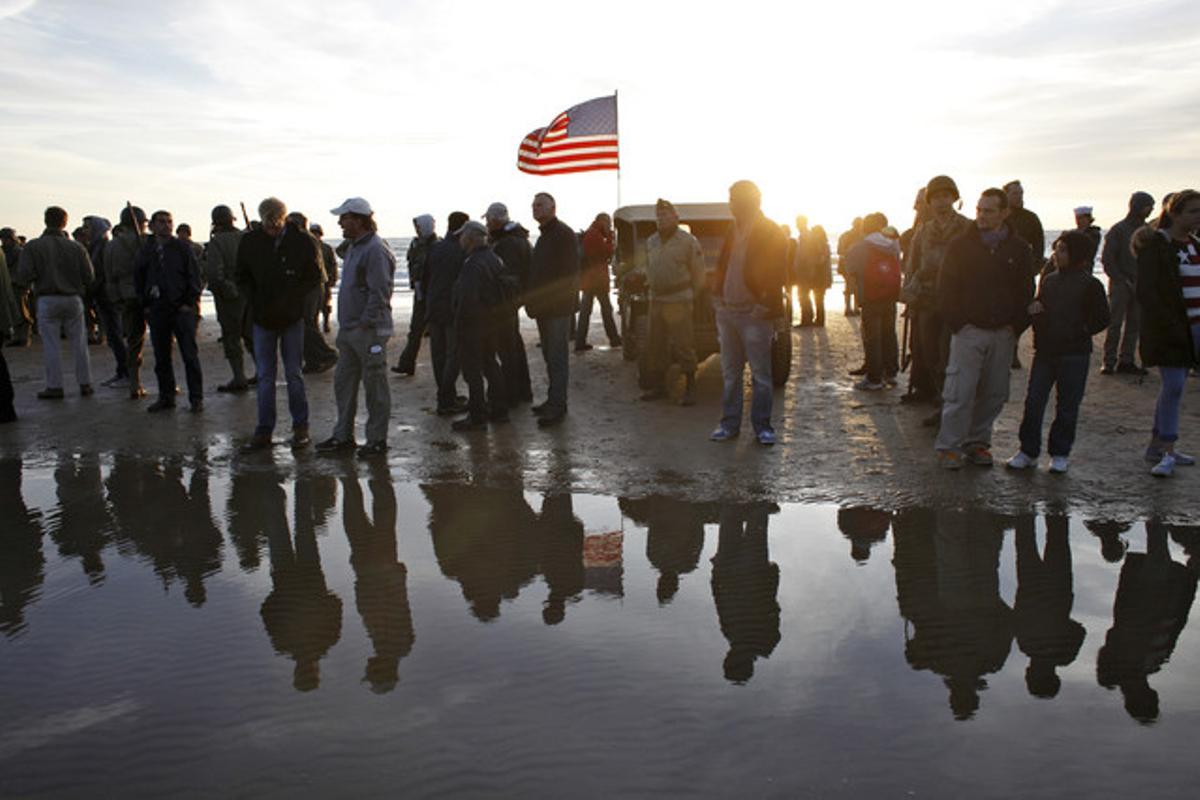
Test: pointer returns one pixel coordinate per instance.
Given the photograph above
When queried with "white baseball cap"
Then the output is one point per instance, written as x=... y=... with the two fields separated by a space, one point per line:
x=353 y=205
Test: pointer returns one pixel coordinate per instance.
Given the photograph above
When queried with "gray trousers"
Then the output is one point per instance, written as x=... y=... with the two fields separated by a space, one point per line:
x=976 y=388
x=1123 y=305
x=362 y=358
x=60 y=312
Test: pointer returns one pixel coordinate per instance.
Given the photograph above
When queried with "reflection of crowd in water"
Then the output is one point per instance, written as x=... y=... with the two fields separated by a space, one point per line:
x=493 y=543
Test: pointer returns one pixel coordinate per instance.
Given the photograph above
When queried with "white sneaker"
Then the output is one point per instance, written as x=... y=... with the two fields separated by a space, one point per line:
x=1059 y=464
x=1021 y=461
x=1164 y=468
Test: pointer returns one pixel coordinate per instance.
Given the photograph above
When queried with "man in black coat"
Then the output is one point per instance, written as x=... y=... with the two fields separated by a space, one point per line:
x=167 y=278
x=510 y=241
x=550 y=299
x=477 y=301
x=441 y=273
x=984 y=291
x=278 y=267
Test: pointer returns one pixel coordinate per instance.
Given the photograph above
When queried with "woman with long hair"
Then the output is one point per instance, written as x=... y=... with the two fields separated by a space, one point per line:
x=1168 y=291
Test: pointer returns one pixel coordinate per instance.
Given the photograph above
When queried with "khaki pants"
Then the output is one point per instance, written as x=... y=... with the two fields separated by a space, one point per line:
x=976 y=388
x=671 y=339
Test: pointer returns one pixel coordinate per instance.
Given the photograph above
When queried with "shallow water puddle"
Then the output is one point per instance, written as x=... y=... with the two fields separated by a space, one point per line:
x=169 y=626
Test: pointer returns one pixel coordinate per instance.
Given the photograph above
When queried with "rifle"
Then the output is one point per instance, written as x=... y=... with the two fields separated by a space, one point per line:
x=245 y=216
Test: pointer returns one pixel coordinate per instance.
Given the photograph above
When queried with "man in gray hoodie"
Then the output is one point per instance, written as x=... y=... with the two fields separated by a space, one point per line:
x=418 y=252
x=364 y=326
x=1120 y=265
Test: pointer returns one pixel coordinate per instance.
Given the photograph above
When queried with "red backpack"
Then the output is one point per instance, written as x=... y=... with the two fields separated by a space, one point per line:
x=881 y=276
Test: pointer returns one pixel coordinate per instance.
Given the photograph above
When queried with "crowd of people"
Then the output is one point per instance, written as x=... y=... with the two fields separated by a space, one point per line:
x=969 y=290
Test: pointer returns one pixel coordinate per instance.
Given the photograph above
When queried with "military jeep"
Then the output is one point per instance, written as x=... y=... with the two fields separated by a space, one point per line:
x=708 y=222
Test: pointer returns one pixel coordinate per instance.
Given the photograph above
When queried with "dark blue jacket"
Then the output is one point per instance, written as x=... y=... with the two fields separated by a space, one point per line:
x=167 y=277
x=441 y=273
x=987 y=287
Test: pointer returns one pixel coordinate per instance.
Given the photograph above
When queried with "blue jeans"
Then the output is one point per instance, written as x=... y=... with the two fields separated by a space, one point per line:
x=1170 y=397
x=745 y=338
x=555 y=333
x=268 y=347
x=1069 y=373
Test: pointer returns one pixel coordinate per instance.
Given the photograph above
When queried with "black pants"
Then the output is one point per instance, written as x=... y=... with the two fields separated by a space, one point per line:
x=110 y=321
x=879 y=340
x=316 y=350
x=477 y=358
x=133 y=325
x=606 y=314
x=182 y=326
x=931 y=340
x=7 y=412
x=514 y=363
x=416 y=330
x=812 y=305
x=443 y=352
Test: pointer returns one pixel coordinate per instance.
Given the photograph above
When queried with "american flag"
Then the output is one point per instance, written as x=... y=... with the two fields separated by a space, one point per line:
x=581 y=139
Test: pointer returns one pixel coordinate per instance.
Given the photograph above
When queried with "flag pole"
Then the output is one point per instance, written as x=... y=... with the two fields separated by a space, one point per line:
x=617 y=119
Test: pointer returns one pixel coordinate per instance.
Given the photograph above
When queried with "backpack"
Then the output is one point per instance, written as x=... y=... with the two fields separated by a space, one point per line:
x=881 y=276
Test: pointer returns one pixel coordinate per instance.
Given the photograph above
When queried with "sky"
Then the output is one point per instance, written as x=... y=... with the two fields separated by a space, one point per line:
x=834 y=109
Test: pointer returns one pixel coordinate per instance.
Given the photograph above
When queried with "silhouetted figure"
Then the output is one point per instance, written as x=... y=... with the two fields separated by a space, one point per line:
x=380 y=580
x=948 y=587
x=674 y=537
x=168 y=524
x=302 y=617
x=1154 y=596
x=249 y=519
x=561 y=535
x=21 y=560
x=1112 y=543
x=484 y=538
x=1042 y=609
x=864 y=527
x=80 y=525
x=744 y=585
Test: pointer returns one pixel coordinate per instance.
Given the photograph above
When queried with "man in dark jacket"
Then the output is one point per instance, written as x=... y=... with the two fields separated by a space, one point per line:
x=329 y=261
x=278 y=265
x=8 y=318
x=984 y=291
x=417 y=256
x=510 y=241
x=1085 y=223
x=1028 y=227
x=1120 y=265
x=441 y=271
x=120 y=253
x=318 y=355
x=477 y=300
x=550 y=299
x=748 y=295
x=167 y=277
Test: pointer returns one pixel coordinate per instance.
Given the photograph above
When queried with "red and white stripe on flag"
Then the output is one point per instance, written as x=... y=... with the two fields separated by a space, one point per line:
x=581 y=139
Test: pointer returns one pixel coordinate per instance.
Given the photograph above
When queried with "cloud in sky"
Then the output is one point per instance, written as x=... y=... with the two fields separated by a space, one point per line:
x=419 y=106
